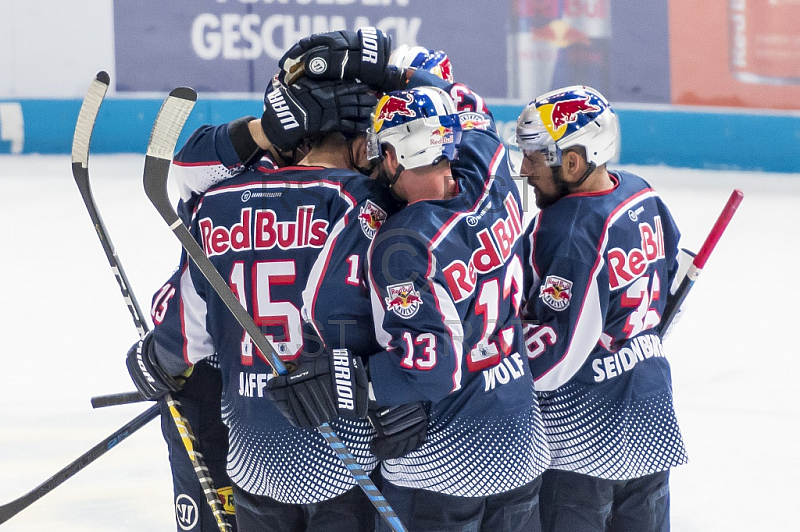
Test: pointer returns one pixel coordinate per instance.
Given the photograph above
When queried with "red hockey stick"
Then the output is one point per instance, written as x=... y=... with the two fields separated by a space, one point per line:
x=699 y=261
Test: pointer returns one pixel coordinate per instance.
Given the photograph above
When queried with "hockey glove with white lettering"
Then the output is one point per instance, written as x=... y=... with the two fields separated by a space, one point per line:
x=292 y=112
x=321 y=389
x=340 y=55
x=147 y=374
x=401 y=429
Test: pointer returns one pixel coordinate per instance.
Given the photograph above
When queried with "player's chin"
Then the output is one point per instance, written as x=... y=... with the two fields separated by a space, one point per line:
x=543 y=200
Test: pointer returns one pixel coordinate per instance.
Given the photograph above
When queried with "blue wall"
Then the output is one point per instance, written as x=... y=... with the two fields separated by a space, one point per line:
x=673 y=137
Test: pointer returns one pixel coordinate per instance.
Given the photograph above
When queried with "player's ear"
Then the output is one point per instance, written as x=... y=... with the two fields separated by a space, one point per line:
x=573 y=165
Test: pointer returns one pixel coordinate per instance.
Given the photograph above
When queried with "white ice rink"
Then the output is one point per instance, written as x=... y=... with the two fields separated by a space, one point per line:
x=64 y=331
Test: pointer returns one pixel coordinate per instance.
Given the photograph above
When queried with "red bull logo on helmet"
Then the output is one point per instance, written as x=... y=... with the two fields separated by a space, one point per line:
x=558 y=116
x=391 y=106
x=444 y=70
x=403 y=300
x=556 y=292
x=441 y=135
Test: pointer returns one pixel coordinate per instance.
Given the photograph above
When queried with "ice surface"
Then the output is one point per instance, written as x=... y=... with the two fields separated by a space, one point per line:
x=65 y=330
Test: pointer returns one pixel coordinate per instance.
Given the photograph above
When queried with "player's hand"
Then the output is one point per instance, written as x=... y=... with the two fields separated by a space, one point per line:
x=401 y=429
x=150 y=378
x=339 y=55
x=321 y=389
x=292 y=112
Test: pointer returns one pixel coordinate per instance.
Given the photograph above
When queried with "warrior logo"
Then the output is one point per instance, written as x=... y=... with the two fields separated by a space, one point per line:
x=556 y=292
x=403 y=300
x=186 y=512
x=371 y=218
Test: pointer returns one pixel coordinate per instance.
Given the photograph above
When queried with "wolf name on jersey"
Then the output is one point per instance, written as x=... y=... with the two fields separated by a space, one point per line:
x=292 y=245
x=446 y=279
x=599 y=272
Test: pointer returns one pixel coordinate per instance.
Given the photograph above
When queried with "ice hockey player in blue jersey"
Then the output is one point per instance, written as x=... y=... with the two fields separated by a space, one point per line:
x=446 y=278
x=600 y=258
x=292 y=243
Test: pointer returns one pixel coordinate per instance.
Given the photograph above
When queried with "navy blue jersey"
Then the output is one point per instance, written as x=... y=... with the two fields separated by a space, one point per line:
x=446 y=281
x=597 y=279
x=292 y=245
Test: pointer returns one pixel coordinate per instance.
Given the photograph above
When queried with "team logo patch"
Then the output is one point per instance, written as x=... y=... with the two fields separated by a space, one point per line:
x=556 y=292
x=403 y=300
x=473 y=121
x=371 y=218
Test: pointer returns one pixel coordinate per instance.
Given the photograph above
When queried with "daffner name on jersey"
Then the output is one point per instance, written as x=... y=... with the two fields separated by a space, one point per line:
x=627 y=266
x=496 y=245
x=637 y=350
x=262 y=230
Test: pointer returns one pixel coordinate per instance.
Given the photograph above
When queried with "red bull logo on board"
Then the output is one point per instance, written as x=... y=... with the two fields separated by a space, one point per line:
x=403 y=300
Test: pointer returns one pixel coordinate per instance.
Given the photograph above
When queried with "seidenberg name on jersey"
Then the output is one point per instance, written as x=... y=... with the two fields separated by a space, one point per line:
x=639 y=349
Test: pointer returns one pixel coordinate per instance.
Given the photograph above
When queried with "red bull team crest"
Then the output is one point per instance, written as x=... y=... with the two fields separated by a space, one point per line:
x=556 y=292
x=371 y=218
x=403 y=300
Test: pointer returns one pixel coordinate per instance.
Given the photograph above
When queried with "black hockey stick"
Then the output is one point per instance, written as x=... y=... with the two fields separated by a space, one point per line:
x=80 y=171
x=122 y=398
x=160 y=150
x=699 y=261
x=9 y=510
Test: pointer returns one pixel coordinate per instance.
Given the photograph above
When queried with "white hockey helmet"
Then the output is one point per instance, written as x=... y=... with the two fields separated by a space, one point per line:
x=567 y=117
x=421 y=124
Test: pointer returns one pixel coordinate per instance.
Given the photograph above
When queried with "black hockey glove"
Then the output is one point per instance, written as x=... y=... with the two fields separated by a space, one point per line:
x=340 y=55
x=321 y=389
x=147 y=374
x=312 y=106
x=401 y=429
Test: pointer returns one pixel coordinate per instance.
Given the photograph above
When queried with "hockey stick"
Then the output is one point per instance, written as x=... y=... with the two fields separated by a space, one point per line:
x=699 y=261
x=9 y=510
x=122 y=398
x=80 y=171
x=160 y=150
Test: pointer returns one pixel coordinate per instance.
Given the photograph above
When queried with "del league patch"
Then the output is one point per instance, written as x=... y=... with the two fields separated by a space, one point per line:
x=556 y=292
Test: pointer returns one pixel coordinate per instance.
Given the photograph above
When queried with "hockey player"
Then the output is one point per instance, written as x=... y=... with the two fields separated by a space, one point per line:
x=446 y=278
x=446 y=288
x=601 y=257
x=291 y=242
